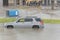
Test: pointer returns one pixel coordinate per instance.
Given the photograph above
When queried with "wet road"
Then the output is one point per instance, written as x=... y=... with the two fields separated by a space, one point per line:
x=50 y=32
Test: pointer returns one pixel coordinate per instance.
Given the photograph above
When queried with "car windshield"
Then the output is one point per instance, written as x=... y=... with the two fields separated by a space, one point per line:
x=25 y=20
x=21 y=20
x=37 y=19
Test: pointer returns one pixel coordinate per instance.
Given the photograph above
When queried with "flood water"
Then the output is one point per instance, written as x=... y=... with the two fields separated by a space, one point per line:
x=50 y=32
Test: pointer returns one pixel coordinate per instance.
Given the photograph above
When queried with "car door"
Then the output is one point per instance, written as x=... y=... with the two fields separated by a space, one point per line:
x=28 y=22
x=20 y=23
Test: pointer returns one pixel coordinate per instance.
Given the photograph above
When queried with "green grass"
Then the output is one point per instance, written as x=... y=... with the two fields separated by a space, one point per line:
x=4 y=20
x=52 y=21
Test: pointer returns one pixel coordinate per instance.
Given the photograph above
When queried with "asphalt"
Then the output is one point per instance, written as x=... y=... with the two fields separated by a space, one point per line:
x=50 y=32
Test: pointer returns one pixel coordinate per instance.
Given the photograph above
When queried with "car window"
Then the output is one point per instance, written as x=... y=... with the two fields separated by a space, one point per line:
x=37 y=19
x=28 y=20
x=21 y=20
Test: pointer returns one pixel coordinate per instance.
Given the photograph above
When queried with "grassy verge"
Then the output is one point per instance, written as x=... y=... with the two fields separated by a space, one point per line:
x=52 y=21
x=3 y=20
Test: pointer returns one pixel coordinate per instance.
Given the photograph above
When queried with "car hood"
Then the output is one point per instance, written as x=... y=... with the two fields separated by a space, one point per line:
x=9 y=23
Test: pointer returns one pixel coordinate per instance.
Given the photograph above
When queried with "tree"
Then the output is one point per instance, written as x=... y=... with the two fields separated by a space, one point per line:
x=52 y=4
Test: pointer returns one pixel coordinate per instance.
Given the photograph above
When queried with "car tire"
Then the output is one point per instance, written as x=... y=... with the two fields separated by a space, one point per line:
x=10 y=26
x=36 y=27
x=42 y=27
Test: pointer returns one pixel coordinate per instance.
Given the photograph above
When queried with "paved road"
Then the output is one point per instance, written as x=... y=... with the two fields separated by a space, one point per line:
x=50 y=32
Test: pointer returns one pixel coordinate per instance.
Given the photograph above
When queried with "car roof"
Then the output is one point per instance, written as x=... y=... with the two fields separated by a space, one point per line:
x=31 y=17
x=28 y=17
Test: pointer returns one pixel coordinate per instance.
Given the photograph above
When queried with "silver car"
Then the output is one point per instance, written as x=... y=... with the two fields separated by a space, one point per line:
x=25 y=23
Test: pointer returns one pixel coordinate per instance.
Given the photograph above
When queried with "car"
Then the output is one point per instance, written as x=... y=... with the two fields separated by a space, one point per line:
x=26 y=22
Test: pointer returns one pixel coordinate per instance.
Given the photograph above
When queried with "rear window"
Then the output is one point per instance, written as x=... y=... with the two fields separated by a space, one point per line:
x=28 y=20
x=37 y=19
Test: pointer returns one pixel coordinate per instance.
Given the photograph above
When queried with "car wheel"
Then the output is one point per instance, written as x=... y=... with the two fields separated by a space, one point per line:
x=35 y=27
x=42 y=27
x=10 y=26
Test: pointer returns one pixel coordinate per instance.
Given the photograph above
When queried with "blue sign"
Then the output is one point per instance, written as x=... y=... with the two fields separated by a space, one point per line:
x=13 y=13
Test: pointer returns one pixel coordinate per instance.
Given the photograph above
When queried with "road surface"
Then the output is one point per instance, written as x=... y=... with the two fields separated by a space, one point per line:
x=50 y=32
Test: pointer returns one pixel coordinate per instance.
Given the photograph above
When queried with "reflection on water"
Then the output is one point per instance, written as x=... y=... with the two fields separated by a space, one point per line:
x=16 y=33
x=50 y=32
x=21 y=30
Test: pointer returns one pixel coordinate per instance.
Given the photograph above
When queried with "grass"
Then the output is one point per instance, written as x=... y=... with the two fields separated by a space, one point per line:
x=3 y=20
x=52 y=21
